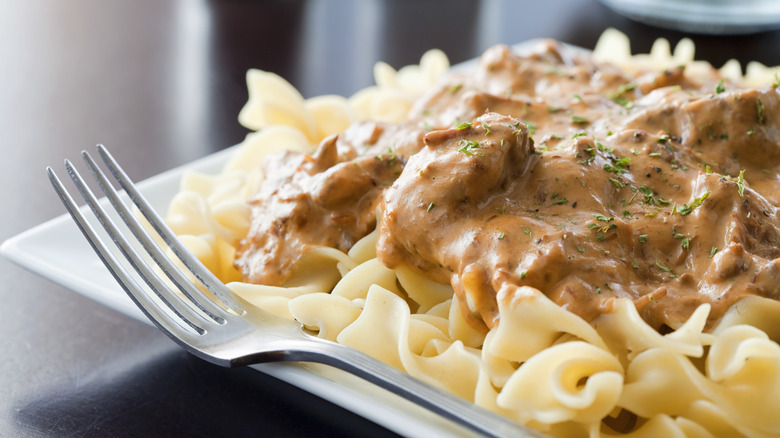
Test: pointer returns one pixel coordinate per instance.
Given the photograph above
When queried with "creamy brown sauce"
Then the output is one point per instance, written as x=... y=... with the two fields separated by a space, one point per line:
x=553 y=172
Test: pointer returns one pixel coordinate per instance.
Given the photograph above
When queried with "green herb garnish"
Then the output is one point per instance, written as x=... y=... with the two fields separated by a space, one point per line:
x=740 y=182
x=617 y=183
x=619 y=165
x=650 y=198
x=618 y=97
x=468 y=147
x=687 y=209
x=759 y=111
x=720 y=88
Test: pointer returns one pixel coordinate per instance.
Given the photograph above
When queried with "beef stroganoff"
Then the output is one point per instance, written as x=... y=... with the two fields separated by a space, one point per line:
x=587 y=244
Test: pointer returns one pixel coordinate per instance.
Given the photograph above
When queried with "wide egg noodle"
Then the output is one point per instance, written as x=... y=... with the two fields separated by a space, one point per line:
x=547 y=387
x=396 y=91
x=626 y=333
x=386 y=331
x=762 y=313
x=540 y=365
x=711 y=417
x=356 y=282
x=614 y=47
x=332 y=114
x=531 y=322
x=745 y=365
x=731 y=353
x=382 y=105
x=425 y=292
x=307 y=309
x=316 y=271
x=273 y=101
x=655 y=373
x=364 y=249
x=257 y=145
x=460 y=329
x=747 y=405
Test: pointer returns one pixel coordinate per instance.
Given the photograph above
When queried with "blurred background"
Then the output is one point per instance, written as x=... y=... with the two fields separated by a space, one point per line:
x=161 y=84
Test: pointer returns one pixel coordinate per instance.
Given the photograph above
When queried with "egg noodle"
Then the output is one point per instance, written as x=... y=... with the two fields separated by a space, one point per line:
x=541 y=365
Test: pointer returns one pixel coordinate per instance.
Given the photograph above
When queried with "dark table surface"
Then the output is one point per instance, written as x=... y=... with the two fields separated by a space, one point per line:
x=161 y=83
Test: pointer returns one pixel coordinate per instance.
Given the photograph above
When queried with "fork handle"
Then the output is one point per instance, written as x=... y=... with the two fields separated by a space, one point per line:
x=454 y=408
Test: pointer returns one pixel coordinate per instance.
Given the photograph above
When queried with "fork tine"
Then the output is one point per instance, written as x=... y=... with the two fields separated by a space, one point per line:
x=148 y=306
x=209 y=280
x=189 y=289
x=184 y=313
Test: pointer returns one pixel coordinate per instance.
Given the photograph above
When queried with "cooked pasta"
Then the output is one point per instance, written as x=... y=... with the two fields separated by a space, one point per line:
x=540 y=364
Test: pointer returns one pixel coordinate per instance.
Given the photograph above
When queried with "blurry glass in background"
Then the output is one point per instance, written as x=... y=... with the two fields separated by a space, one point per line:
x=714 y=17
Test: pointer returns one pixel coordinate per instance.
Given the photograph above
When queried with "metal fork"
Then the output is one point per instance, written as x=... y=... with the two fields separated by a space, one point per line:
x=225 y=330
